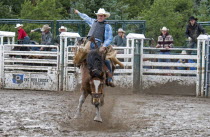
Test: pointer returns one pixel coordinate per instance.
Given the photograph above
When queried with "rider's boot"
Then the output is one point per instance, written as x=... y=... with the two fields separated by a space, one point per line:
x=109 y=80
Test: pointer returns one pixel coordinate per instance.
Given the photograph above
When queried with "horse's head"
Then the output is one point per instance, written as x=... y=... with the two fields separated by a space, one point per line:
x=97 y=86
x=95 y=62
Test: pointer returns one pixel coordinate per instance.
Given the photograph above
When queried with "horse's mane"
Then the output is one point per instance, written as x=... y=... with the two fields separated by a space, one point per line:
x=95 y=63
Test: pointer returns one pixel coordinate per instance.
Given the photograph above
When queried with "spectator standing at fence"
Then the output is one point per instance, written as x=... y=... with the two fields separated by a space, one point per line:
x=164 y=41
x=120 y=39
x=57 y=39
x=23 y=38
x=193 y=30
x=47 y=38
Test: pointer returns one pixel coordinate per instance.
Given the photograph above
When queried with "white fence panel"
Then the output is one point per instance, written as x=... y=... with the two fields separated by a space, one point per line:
x=35 y=70
x=156 y=71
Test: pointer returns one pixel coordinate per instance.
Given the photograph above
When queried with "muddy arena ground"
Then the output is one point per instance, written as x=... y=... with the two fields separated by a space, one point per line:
x=45 y=113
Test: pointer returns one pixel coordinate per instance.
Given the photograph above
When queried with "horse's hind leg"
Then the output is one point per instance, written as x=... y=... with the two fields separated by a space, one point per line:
x=81 y=101
x=98 y=114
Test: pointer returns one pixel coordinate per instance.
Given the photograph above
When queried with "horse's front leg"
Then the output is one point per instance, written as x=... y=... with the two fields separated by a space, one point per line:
x=98 y=114
x=81 y=101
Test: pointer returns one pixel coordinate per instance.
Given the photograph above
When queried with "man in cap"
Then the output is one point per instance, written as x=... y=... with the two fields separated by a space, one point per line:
x=120 y=39
x=46 y=36
x=102 y=32
x=23 y=38
x=193 y=30
x=22 y=35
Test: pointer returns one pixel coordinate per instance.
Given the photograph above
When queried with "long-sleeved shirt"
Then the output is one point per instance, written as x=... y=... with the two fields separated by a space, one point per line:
x=108 y=29
x=21 y=34
x=47 y=38
x=165 y=41
x=194 y=31
x=119 y=41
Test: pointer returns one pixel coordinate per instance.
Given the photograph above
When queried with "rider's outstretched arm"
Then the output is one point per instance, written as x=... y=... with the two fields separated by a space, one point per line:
x=85 y=17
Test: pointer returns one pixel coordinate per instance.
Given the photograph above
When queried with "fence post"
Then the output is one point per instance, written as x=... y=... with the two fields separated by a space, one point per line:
x=207 y=75
x=61 y=65
x=201 y=50
x=136 y=41
x=136 y=67
x=203 y=68
x=1 y=60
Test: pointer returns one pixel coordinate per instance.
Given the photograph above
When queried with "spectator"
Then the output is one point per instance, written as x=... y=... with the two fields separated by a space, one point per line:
x=165 y=41
x=46 y=36
x=23 y=38
x=185 y=61
x=61 y=29
x=193 y=30
x=120 y=39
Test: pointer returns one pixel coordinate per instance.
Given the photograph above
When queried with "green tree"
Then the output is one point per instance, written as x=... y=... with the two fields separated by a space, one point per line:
x=5 y=11
x=203 y=12
x=173 y=14
x=42 y=10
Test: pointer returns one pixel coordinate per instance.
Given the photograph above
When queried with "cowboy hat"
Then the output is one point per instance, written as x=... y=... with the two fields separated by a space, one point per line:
x=62 y=27
x=19 y=25
x=102 y=11
x=121 y=30
x=45 y=27
x=164 y=29
x=192 y=18
x=184 y=52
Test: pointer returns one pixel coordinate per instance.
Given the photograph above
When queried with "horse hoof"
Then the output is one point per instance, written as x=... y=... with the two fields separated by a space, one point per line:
x=77 y=116
x=98 y=119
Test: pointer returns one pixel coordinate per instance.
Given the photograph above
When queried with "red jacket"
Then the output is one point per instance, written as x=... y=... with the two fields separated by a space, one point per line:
x=21 y=34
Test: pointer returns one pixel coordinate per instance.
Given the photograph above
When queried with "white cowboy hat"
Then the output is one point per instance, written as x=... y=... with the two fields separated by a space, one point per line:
x=184 y=52
x=164 y=29
x=62 y=27
x=19 y=25
x=45 y=27
x=121 y=30
x=102 y=11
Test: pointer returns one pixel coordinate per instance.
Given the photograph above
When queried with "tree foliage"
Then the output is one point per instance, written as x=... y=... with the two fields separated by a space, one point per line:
x=42 y=10
x=170 y=13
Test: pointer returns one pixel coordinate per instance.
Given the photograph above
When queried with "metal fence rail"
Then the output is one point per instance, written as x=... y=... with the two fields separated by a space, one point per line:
x=137 y=26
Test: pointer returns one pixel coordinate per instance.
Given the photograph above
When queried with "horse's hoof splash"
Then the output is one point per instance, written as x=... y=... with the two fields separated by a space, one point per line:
x=98 y=119
x=77 y=115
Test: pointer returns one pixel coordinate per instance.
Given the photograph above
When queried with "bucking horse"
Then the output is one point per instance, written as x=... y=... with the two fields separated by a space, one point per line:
x=93 y=71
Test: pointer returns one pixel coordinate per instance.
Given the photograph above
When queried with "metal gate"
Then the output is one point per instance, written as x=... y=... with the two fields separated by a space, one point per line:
x=35 y=70
x=203 y=84
x=207 y=83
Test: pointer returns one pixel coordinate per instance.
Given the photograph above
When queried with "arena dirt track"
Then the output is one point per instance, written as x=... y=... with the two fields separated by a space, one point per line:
x=44 y=113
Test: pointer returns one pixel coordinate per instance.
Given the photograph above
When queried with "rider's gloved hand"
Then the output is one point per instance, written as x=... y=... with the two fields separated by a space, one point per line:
x=189 y=38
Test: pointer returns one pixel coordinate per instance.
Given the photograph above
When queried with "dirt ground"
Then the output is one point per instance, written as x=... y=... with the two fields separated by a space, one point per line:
x=44 y=113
